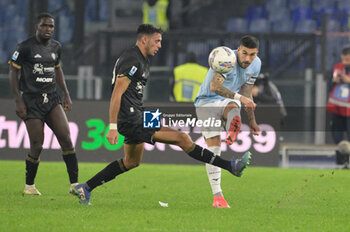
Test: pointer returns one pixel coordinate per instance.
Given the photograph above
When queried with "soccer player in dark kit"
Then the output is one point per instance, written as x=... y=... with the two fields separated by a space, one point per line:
x=130 y=75
x=37 y=59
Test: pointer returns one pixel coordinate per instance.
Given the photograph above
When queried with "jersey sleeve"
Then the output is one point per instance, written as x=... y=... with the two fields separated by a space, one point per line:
x=128 y=67
x=17 y=57
x=58 y=60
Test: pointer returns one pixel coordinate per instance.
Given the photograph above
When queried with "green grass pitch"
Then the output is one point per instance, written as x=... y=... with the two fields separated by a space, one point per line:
x=264 y=199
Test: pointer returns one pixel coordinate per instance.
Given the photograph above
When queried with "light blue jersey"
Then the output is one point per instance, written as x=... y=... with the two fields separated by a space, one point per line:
x=233 y=81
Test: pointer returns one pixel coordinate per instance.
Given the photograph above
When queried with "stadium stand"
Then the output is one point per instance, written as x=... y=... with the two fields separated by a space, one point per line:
x=305 y=26
x=299 y=3
x=259 y=25
x=237 y=25
x=256 y=12
x=283 y=26
x=279 y=15
x=273 y=6
x=302 y=13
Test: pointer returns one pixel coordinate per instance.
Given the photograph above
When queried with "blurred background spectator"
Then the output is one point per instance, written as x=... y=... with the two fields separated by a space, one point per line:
x=339 y=102
x=265 y=92
x=157 y=13
x=188 y=78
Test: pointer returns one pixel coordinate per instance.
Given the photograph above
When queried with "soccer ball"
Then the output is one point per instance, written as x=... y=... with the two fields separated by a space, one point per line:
x=344 y=147
x=222 y=59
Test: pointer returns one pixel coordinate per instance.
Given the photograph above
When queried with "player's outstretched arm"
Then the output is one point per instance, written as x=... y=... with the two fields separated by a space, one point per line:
x=67 y=102
x=122 y=83
x=21 y=110
x=246 y=90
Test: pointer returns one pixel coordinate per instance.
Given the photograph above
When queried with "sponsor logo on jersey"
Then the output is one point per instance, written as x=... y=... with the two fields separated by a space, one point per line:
x=15 y=55
x=49 y=69
x=249 y=74
x=151 y=119
x=44 y=79
x=38 y=68
x=133 y=71
x=37 y=56
x=53 y=55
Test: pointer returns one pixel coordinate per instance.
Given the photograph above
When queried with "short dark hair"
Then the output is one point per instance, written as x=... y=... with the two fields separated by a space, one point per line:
x=147 y=29
x=249 y=41
x=346 y=50
x=43 y=15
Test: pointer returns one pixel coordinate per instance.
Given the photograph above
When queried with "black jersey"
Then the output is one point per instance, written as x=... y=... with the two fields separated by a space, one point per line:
x=37 y=62
x=135 y=66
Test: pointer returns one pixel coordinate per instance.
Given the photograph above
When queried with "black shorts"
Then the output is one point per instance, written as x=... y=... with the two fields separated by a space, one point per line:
x=39 y=105
x=135 y=133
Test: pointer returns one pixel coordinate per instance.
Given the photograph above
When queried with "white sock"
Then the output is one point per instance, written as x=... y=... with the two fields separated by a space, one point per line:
x=30 y=186
x=214 y=173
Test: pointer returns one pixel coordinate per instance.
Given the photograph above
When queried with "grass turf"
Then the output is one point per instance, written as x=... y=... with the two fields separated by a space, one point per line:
x=264 y=199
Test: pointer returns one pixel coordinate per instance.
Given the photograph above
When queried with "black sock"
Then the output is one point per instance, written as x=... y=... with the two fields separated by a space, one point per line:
x=31 y=169
x=204 y=155
x=341 y=158
x=108 y=173
x=72 y=167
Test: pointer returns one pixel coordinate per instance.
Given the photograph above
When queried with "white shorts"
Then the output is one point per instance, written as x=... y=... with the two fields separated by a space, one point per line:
x=214 y=110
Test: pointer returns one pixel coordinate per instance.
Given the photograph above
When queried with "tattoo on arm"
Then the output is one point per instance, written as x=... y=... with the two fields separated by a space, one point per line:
x=217 y=87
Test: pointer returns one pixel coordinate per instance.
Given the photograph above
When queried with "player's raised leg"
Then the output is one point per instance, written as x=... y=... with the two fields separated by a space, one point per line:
x=132 y=159
x=35 y=128
x=232 y=117
x=181 y=139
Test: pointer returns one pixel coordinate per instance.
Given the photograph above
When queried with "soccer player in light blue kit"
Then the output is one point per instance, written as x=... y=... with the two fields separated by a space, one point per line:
x=218 y=97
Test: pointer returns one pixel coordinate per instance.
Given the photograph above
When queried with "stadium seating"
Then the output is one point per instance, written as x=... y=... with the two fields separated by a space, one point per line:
x=13 y=14
x=302 y=13
x=91 y=14
x=259 y=25
x=279 y=15
x=236 y=25
x=256 y=12
x=66 y=29
x=319 y=5
x=103 y=10
x=273 y=5
x=294 y=4
x=344 y=19
x=343 y=4
x=305 y=26
x=201 y=48
x=55 y=5
x=284 y=26
x=332 y=13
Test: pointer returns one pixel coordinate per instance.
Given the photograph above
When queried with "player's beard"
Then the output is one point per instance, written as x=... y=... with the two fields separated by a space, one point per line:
x=45 y=38
x=243 y=65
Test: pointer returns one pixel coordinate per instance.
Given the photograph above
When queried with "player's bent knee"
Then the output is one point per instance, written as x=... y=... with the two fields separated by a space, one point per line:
x=131 y=165
x=184 y=140
x=184 y=137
